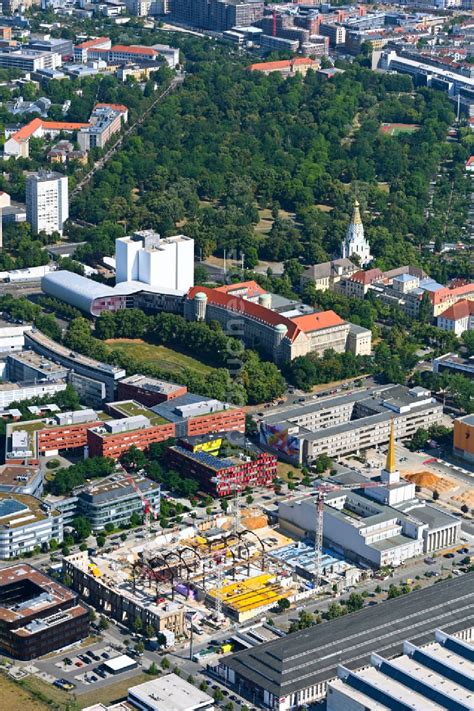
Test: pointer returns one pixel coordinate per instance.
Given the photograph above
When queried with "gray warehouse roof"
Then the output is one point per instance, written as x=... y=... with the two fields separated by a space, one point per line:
x=311 y=656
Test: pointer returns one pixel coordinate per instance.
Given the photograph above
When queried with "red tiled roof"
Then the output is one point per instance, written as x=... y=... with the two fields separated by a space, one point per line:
x=134 y=49
x=470 y=161
x=459 y=310
x=30 y=129
x=367 y=277
x=251 y=286
x=282 y=64
x=27 y=131
x=63 y=126
x=246 y=308
x=92 y=42
x=437 y=297
x=317 y=321
x=117 y=107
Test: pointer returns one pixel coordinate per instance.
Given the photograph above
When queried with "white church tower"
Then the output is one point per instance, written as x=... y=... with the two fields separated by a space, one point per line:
x=355 y=242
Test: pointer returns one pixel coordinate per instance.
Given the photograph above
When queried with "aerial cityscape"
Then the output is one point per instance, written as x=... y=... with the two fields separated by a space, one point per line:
x=236 y=355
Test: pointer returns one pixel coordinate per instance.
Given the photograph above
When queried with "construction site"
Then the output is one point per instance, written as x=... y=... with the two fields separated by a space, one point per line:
x=229 y=569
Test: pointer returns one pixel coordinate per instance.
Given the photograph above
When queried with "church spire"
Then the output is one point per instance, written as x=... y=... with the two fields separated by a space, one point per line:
x=390 y=466
x=356 y=218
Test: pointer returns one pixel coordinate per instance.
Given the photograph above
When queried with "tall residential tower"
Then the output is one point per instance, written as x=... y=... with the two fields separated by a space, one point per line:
x=47 y=202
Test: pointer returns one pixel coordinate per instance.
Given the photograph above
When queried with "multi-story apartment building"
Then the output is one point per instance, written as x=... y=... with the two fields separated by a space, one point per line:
x=348 y=423
x=217 y=15
x=38 y=615
x=222 y=476
x=115 y=499
x=105 y=121
x=26 y=522
x=47 y=202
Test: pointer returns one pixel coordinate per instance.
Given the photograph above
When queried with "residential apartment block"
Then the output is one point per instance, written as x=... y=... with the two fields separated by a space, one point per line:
x=217 y=15
x=222 y=475
x=105 y=121
x=47 y=202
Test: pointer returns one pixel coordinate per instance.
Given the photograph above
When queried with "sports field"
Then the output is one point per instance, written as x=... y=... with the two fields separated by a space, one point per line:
x=161 y=356
x=395 y=129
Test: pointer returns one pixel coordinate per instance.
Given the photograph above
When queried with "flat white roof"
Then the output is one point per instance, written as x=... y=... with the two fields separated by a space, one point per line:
x=170 y=693
x=120 y=663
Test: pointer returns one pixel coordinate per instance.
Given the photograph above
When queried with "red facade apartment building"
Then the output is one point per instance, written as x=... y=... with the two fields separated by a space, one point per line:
x=222 y=476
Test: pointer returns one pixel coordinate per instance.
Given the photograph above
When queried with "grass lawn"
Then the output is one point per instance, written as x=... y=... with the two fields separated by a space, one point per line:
x=162 y=356
x=114 y=692
x=282 y=472
x=17 y=698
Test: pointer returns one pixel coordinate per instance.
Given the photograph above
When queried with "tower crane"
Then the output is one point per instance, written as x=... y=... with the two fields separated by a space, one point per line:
x=148 y=511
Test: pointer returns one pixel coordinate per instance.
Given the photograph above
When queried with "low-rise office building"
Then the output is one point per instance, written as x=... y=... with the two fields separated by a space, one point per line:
x=38 y=615
x=170 y=693
x=28 y=366
x=116 y=498
x=12 y=338
x=454 y=364
x=26 y=522
x=147 y=390
x=347 y=423
x=17 y=479
x=15 y=392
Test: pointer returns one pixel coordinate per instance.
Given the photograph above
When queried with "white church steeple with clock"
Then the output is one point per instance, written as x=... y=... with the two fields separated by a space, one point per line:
x=355 y=241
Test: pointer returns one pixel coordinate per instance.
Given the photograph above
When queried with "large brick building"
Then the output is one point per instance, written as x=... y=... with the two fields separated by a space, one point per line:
x=221 y=475
x=149 y=391
x=126 y=423
x=140 y=426
x=37 y=614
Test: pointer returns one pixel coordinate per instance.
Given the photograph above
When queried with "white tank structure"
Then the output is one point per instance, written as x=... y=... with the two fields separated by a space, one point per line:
x=200 y=306
x=265 y=300
x=280 y=332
